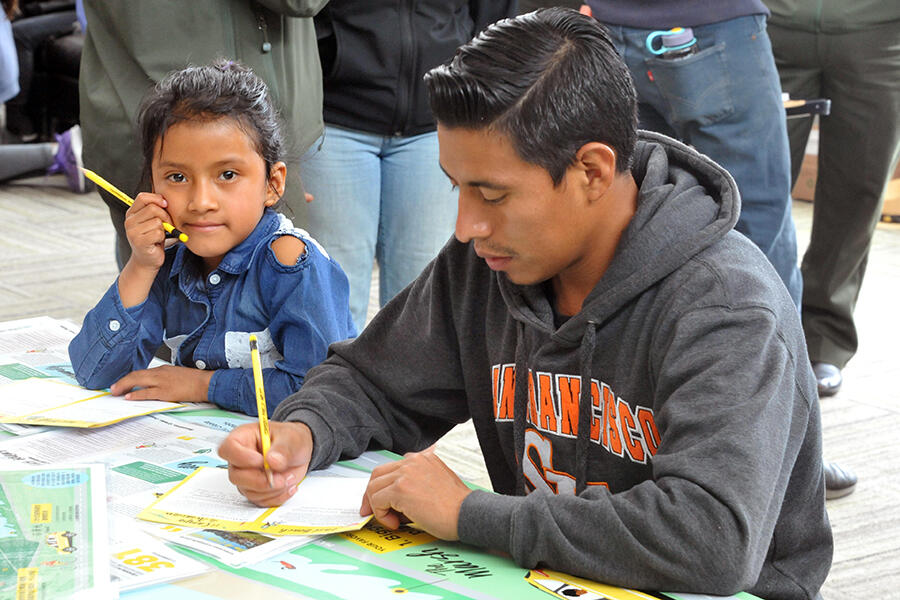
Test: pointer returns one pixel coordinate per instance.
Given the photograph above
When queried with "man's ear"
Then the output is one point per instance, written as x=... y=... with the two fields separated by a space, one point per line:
x=275 y=185
x=598 y=162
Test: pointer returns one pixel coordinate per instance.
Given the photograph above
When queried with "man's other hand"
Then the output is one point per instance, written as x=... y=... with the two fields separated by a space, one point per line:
x=419 y=488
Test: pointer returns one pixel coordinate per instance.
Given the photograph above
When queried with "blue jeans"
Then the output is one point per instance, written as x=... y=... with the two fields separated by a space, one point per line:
x=725 y=101
x=378 y=198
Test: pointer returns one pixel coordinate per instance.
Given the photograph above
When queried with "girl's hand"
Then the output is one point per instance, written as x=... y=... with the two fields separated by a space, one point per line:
x=144 y=229
x=168 y=383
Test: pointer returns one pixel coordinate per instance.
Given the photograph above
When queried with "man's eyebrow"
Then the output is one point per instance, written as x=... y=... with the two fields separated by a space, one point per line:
x=482 y=184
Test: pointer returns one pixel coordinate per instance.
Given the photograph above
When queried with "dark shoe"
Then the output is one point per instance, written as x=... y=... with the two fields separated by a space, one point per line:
x=838 y=481
x=68 y=159
x=828 y=378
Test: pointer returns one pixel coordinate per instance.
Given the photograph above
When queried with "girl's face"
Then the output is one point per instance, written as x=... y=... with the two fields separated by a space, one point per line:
x=215 y=184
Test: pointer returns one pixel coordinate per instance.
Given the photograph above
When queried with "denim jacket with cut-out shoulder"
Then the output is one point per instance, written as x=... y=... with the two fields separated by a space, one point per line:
x=296 y=311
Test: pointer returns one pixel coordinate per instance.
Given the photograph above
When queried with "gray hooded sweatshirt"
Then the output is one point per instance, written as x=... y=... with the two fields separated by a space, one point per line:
x=701 y=467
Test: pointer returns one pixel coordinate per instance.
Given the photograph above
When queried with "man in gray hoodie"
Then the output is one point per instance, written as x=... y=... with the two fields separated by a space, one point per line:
x=634 y=368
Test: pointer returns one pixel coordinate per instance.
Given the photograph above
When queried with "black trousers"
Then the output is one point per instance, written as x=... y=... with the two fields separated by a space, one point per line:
x=859 y=144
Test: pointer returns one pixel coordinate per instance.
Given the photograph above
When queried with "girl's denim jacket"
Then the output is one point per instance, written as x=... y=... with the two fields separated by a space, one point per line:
x=295 y=311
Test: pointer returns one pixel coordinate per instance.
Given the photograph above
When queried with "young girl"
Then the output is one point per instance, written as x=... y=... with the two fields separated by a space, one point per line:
x=211 y=146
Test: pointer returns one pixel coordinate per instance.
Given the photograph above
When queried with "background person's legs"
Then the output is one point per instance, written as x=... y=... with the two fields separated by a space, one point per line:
x=858 y=149
x=29 y=33
x=20 y=160
x=418 y=211
x=344 y=177
x=726 y=101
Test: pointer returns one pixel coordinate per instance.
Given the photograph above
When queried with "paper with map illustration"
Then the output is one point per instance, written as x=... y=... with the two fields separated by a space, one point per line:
x=39 y=401
x=324 y=503
x=53 y=535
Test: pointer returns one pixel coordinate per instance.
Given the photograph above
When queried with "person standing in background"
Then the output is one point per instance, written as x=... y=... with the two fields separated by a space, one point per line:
x=17 y=160
x=9 y=63
x=31 y=29
x=132 y=45
x=724 y=100
x=848 y=52
x=379 y=193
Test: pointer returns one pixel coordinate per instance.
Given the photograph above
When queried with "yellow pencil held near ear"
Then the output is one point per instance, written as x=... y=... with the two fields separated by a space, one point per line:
x=128 y=201
x=261 y=409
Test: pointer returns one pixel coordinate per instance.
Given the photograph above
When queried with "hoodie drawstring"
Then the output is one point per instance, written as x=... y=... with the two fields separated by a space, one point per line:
x=582 y=443
x=520 y=407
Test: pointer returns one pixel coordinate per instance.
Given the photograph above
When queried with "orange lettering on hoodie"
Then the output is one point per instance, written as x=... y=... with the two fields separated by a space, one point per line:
x=626 y=421
x=648 y=429
x=611 y=438
x=569 y=391
x=532 y=413
x=548 y=420
x=507 y=391
x=595 y=421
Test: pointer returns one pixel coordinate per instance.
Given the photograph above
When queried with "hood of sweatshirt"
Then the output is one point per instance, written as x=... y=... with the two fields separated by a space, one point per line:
x=686 y=203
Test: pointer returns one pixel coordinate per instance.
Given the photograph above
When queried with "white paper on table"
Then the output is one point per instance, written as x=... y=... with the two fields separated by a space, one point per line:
x=138 y=559
x=234 y=548
x=322 y=500
x=35 y=335
x=17 y=429
x=40 y=400
x=61 y=444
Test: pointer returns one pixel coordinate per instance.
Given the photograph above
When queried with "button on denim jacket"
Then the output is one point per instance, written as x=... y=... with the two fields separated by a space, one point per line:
x=296 y=311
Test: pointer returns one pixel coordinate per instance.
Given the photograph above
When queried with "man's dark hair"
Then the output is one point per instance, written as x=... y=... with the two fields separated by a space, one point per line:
x=550 y=80
x=222 y=89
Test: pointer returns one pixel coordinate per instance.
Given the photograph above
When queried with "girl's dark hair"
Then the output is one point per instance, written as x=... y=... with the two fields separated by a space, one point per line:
x=550 y=80
x=222 y=89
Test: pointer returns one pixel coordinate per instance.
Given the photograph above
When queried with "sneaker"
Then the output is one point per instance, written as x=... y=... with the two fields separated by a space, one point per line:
x=68 y=159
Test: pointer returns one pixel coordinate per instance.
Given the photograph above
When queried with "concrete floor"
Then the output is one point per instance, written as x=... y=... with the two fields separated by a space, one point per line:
x=57 y=259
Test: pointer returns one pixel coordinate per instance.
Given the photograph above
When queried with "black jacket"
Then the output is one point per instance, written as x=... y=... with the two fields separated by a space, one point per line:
x=374 y=54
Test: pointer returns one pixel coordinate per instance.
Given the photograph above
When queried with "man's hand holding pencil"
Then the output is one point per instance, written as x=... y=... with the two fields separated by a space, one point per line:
x=288 y=458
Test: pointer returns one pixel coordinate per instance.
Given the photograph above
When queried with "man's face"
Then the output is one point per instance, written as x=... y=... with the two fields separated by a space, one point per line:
x=518 y=221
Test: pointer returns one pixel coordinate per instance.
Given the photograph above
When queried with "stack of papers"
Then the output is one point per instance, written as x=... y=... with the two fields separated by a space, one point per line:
x=323 y=503
x=36 y=401
x=146 y=461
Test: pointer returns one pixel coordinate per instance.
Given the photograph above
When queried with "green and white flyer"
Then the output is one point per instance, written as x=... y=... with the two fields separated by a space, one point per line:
x=53 y=533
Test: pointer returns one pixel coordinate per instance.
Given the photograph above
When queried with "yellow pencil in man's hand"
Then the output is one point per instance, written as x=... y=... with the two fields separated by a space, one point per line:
x=261 y=409
x=128 y=201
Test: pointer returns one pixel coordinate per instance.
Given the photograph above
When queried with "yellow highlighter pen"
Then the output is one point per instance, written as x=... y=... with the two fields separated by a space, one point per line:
x=128 y=201
x=261 y=409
